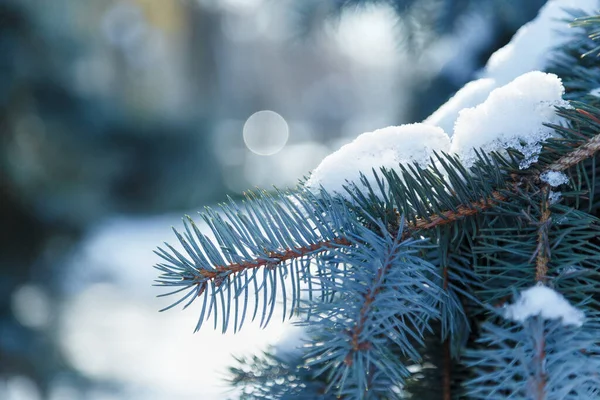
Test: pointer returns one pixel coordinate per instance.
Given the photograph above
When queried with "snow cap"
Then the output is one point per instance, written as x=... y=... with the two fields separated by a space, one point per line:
x=512 y=116
x=470 y=95
x=545 y=302
x=387 y=147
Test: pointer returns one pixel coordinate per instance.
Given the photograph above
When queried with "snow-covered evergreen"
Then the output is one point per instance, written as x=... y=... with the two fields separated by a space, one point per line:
x=435 y=256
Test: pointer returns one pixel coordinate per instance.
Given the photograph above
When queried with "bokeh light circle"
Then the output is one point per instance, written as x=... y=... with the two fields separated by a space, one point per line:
x=265 y=132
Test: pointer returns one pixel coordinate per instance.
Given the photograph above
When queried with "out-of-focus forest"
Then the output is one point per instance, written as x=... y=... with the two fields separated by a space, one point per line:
x=119 y=116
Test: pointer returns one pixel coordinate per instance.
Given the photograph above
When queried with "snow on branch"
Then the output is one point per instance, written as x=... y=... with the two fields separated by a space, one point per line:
x=554 y=178
x=545 y=302
x=387 y=147
x=512 y=116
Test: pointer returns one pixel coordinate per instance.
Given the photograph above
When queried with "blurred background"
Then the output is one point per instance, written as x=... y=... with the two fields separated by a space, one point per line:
x=119 y=116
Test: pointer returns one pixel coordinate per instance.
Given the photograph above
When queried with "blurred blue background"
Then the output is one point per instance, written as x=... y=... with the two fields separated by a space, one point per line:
x=119 y=116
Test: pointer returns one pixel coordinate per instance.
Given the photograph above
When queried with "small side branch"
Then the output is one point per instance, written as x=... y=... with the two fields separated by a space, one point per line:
x=541 y=275
x=540 y=377
x=274 y=259
x=387 y=305
x=369 y=298
x=543 y=247
x=461 y=212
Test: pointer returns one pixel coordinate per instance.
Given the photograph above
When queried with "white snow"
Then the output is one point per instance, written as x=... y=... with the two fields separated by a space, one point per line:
x=530 y=49
x=554 y=197
x=545 y=302
x=554 y=178
x=472 y=94
x=512 y=116
x=387 y=147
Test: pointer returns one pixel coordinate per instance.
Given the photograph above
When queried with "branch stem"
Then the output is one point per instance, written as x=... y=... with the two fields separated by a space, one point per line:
x=274 y=258
x=449 y=216
x=543 y=247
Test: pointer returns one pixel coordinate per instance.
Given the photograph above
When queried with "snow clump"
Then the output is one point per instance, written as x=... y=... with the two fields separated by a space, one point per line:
x=545 y=302
x=554 y=197
x=388 y=148
x=512 y=116
x=472 y=94
x=554 y=178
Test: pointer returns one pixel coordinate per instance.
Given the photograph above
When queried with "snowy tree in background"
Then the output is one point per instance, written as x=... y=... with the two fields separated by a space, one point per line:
x=454 y=258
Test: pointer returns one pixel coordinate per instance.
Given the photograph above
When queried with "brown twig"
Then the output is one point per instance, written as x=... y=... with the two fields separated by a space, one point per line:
x=355 y=332
x=542 y=379
x=449 y=216
x=543 y=252
x=274 y=258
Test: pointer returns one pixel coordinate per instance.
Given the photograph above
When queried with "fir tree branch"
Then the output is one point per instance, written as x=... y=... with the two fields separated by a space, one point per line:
x=278 y=234
x=273 y=259
x=389 y=295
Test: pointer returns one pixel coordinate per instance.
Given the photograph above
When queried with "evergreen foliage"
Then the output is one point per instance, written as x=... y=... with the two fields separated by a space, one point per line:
x=274 y=376
x=406 y=283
